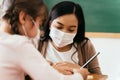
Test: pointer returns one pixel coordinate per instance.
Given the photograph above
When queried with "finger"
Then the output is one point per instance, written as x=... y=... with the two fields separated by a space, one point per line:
x=60 y=63
x=68 y=73
x=68 y=69
x=65 y=72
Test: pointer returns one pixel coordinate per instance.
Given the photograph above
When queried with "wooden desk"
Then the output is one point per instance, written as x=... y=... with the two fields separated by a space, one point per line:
x=97 y=77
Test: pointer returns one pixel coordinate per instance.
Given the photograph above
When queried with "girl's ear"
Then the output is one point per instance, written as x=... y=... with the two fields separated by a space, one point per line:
x=22 y=16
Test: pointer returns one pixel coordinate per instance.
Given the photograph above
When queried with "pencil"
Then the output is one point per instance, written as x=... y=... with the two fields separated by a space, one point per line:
x=90 y=60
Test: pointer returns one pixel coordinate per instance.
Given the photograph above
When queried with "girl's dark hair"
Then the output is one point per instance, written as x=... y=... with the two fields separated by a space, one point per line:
x=12 y=9
x=63 y=8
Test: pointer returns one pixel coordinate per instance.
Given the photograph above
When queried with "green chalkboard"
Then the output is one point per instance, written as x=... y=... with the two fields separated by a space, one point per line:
x=100 y=15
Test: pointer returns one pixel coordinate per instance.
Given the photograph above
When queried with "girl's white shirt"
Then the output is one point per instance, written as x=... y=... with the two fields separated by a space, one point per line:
x=18 y=57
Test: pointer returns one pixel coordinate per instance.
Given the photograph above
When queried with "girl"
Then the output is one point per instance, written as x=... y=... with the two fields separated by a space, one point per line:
x=64 y=39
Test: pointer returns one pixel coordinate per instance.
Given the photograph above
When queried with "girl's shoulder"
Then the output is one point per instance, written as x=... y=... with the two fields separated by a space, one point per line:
x=86 y=43
x=13 y=40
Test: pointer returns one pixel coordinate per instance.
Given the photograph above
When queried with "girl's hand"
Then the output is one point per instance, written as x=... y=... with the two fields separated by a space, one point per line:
x=84 y=72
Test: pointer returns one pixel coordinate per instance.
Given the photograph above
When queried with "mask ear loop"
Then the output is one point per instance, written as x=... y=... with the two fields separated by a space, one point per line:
x=33 y=21
x=32 y=39
x=28 y=37
x=23 y=27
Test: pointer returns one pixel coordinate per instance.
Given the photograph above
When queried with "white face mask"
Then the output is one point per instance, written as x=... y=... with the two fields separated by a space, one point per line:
x=36 y=38
x=61 y=38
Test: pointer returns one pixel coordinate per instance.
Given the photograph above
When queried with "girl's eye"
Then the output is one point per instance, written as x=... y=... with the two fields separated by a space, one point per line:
x=59 y=26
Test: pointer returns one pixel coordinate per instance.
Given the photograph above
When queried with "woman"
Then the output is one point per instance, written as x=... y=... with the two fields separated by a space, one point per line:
x=64 y=39
x=18 y=55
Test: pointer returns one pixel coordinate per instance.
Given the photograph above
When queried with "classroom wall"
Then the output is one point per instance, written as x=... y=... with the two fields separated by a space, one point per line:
x=109 y=57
